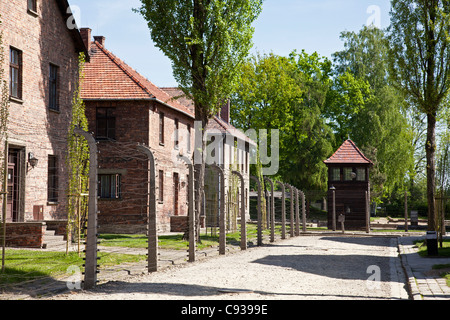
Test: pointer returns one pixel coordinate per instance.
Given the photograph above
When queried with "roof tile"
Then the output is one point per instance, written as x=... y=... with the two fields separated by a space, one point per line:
x=109 y=78
x=348 y=152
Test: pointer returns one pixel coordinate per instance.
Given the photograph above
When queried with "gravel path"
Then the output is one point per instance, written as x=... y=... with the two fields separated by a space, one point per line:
x=307 y=267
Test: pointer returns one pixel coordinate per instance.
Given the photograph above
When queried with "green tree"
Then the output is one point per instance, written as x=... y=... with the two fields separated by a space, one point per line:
x=78 y=162
x=207 y=42
x=288 y=93
x=419 y=59
x=367 y=108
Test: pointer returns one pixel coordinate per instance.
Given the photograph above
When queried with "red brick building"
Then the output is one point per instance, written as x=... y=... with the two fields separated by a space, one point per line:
x=124 y=109
x=41 y=51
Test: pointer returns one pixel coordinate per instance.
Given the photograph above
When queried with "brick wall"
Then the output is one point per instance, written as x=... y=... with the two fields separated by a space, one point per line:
x=43 y=39
x=25 y=234
x=138 y=122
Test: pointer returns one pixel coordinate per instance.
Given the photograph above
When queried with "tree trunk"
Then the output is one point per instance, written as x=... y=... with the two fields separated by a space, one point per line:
x=431 y=170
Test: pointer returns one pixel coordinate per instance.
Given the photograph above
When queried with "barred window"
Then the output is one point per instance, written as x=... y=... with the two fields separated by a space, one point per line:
x=161 y=185
x=161 y=128
x=15 y=73
x=360 y=174
x=348 y=174
x=109 y=186
x=53 y=88
x=336 y=174
x=52 y=183
x=106 y=124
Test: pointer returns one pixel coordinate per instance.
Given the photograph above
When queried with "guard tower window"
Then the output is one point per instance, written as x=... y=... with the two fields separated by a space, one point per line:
x=336 y=174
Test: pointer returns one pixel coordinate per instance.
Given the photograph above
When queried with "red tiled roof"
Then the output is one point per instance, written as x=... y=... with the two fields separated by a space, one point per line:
x=109 y=78
x=348 y=152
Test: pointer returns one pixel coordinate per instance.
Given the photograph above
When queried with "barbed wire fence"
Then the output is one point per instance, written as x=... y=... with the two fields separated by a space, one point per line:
x=123 y=213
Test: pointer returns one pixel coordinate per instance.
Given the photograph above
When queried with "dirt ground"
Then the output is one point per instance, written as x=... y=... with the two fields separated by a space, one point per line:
x=306 y=267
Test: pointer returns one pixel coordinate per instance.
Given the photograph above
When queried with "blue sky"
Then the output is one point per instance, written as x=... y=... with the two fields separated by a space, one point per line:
x=284 y=25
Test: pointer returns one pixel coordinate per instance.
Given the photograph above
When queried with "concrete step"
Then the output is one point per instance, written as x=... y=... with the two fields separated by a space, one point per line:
x=54 y=242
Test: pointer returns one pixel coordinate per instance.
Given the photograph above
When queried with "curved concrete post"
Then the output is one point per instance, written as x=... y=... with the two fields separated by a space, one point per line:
x=90 y=273
x=297 y=214
x=259 y=231
x=152 y=233
x=272 y=211
x=302 y=194
x=243 y=221
x=283 y=210
x=191 y=208
x=222 y=234
x=291 y=218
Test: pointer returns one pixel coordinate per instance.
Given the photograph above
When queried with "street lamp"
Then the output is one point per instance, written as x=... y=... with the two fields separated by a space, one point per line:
x=32 y=160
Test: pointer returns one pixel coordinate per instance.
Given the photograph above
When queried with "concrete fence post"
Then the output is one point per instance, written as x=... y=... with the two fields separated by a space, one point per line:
x=243 y=222
x=303 y=211
x=272 y=211
x=222 y=232
x=297 y=214
x=151 y=203
x=191 y=208
x=283 y=210
x=259 y=231
x=90 y=272
x=291 y=218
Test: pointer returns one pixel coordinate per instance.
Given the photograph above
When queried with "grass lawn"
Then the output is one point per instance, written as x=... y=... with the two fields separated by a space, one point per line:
x=443 y=252
x=176 y=242
x=26 y=265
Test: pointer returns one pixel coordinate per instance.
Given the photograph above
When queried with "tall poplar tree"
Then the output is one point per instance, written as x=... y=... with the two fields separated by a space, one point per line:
x=420 y=67
x=207 y=41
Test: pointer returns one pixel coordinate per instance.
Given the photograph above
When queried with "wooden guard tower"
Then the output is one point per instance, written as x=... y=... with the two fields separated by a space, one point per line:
x=348 y=178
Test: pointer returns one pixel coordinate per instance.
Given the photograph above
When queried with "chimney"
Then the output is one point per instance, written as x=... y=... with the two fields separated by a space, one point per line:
x=225 y=112
x=86 y=36
x=100 y=39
